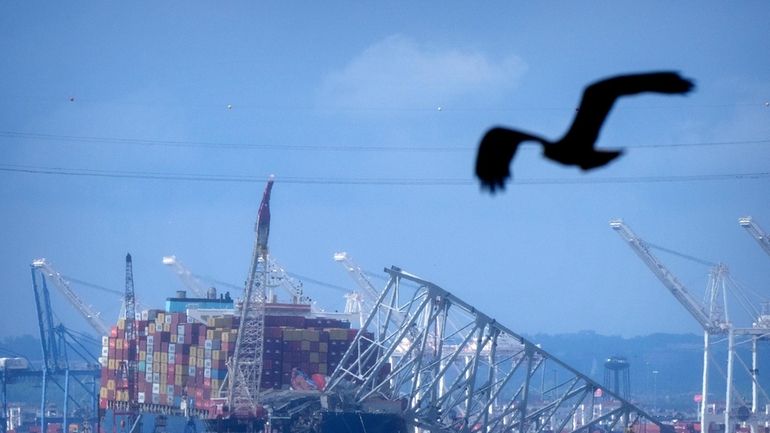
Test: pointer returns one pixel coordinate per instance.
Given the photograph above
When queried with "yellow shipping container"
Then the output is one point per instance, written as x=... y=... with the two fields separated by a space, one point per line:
x=118 y=343
x=310 y=334
x=161 y=318
x=103 y=392
x=164 y=358
x=111 y=364
x=178 y=380
x=215 y=355
x=292 y=334
x=199 y=364
x=142 y=355
x=166 y=327
x=313 y=356
x=164 y=369
x=338 y=334
x=111 y=384
x=225 y=337
x=210 y=334
x=151 y=328
x=121 y=323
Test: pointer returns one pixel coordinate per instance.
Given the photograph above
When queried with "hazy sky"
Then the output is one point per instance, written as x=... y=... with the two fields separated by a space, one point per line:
x=151 y=127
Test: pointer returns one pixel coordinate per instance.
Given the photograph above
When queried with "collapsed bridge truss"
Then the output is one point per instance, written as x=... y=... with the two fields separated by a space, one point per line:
x=452 y=368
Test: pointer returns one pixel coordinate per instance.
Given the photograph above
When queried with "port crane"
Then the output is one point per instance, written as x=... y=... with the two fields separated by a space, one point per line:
x=188 y=278
x=712 y=322
x=756 y=232
x=360 y=302
x=715 y=322
x=66 y=356
x=92 y=317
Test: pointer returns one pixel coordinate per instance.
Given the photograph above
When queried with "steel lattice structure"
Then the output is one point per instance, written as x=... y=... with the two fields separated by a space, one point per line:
x=455 y=369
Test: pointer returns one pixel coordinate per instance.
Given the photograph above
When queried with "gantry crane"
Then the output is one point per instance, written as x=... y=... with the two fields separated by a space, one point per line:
x=761 y=326
x=59 y=345
x=712 y=322
x=245 y=369
x=92 y=317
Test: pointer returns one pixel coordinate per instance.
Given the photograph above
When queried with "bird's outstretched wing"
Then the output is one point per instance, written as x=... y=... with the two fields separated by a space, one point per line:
x=495 y=154
x=599 y=97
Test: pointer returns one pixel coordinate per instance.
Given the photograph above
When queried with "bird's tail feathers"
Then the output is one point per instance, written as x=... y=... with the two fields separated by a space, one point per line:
x=598 y=159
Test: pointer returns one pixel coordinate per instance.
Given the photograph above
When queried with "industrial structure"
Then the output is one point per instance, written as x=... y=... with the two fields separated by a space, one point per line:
x=713 y=317
x=420 y=360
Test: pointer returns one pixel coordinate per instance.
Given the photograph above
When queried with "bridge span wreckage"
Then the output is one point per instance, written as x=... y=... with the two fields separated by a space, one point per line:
x=433 y=363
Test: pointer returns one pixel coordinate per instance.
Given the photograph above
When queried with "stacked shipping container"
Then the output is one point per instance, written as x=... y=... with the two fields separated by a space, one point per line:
x=178 y=359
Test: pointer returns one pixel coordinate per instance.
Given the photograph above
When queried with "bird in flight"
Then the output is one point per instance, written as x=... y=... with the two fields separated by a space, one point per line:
x=576 y=147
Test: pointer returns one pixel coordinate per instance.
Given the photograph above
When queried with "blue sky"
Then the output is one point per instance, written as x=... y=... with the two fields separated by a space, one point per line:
x=369 y=115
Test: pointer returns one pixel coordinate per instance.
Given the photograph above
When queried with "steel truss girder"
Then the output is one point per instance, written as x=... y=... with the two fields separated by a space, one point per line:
x=456 y=369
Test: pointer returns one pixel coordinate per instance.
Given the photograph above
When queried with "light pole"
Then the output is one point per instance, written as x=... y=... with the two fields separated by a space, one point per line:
x=655 y=390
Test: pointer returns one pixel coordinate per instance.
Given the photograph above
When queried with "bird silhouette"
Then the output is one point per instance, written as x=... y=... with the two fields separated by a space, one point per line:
x=576 y=147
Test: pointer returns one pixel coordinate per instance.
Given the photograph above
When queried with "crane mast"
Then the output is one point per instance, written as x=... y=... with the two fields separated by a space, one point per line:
x=131 y=334
x=245 y=372
x=91 y=316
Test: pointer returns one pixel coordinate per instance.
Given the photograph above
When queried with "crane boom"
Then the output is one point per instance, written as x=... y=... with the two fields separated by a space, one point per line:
x=245 y=372
x=756 y=232
x=357 y=274
x=668 y=279
x=91 y=316
x=184 y=274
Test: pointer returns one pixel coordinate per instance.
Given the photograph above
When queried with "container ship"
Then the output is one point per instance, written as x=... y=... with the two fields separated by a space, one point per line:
x=184 y=349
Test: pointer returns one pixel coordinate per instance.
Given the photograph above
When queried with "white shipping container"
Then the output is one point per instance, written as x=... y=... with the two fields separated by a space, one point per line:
x=156 y=388
x=140 y=397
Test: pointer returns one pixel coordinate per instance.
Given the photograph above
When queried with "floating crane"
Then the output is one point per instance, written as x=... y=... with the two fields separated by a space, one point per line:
x=712 y=322
x=92 y=317
x=245 y=369
x=130 y=371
